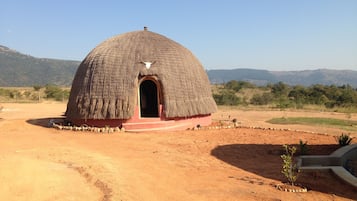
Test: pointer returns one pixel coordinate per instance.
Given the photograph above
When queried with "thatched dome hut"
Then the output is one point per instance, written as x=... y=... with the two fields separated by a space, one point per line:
x=139 y=77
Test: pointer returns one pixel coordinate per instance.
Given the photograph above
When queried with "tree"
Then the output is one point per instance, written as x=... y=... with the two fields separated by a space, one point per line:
x=38 y=89
x=280 y=89
x=348 y=96
x=55 y=92
x=298 y=94
x=226 y=98
x=238 y=85
x=234 y=85
x=262 y=99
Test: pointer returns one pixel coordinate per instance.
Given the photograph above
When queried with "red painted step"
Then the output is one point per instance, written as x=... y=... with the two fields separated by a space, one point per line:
x=156 y=126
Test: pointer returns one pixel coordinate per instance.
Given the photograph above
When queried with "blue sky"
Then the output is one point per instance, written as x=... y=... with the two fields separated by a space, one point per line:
x=223 y=34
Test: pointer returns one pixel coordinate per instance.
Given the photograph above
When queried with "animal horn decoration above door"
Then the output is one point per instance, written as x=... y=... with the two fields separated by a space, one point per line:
x=148 y=63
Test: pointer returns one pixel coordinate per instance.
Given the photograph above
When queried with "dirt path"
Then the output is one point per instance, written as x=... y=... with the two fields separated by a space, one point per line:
x=39 y=163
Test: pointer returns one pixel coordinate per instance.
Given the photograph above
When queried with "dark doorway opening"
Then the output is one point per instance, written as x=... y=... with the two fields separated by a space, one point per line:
x=148 y=99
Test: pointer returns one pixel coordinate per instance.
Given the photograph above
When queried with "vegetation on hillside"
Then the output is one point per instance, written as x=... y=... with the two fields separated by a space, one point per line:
x=18 y=69
x=281 y=95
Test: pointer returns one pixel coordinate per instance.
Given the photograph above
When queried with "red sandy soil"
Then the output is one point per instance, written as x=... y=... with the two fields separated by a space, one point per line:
x=40 y=163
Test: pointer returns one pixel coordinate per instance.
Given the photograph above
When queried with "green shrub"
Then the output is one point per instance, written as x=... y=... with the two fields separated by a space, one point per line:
x=262 y=99
x=227 y=98
x=344 y=139
x=290 y=169
x=55 y=92
x=303 y=149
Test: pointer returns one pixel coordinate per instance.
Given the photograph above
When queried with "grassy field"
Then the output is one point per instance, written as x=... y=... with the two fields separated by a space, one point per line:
x=348 y=125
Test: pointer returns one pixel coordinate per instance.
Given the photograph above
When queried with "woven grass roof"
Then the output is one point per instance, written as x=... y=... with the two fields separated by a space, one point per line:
x=106 y=82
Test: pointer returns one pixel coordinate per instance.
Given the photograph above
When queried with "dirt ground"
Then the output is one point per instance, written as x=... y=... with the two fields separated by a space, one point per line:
x=40 y=163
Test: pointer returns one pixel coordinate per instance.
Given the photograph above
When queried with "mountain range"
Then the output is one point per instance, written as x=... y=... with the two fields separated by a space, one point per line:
x=305 y=77
x=17 y=69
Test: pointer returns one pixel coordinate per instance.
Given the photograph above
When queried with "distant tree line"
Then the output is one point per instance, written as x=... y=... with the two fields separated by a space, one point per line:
x=37 y=93
x=282 y=95
x=233 y=93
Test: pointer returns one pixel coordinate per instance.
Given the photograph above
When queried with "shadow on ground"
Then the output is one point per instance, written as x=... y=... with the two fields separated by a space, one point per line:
x=271 y=167
x=46 y=122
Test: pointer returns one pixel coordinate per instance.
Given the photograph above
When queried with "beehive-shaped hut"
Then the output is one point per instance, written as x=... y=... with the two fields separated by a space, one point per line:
x=141 y=81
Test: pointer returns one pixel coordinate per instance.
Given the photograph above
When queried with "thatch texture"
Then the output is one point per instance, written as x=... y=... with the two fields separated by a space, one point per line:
x=106 y=83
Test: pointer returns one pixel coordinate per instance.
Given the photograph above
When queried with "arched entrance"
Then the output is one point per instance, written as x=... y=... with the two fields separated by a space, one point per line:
x=149 y=106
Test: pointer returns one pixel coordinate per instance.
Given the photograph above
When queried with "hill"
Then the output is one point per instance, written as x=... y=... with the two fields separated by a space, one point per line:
x=305 y=78
x=18 y=69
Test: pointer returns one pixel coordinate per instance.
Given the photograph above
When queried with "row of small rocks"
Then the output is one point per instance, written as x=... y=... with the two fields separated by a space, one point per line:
x=233 y=126
x=108 y=129
x=89 y=128
x=291 y=188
